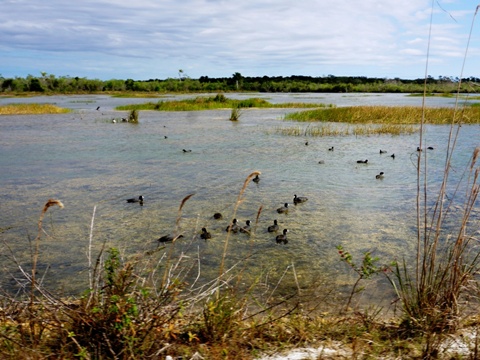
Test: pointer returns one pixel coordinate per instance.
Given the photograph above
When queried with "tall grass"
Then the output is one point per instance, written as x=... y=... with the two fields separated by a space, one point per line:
x=389 y=115
x=219 y=101
x=356 y=130
x=31 y=109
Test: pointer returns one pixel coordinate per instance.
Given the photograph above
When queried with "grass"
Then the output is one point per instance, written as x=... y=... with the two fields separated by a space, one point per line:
x=31 y=109
x=388 y=115
x=219 y=101
x=356 y=130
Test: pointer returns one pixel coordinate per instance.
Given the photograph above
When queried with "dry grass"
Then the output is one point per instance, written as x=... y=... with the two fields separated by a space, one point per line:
x=356 y=130
x=31 y=109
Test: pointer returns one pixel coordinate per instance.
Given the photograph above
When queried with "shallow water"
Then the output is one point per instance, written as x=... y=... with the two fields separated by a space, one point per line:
x=86 y=161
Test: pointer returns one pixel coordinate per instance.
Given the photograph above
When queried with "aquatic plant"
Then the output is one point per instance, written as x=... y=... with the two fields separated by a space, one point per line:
x=31 y=109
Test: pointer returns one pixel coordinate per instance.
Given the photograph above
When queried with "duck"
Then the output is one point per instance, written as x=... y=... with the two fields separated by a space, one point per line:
x=282 y=238
x=217 y=216
x=392 y=156
x=321 y=162
x=331 y=149
x=379 y=176
x=362 y=161
x=169 y=238
x=256 y=179
x=383 y=151
x=299 y=199
x=205 y=234
x=283 y=209
x=306 y=143
x=430 y=148
x=233 y=227
x=186 y=151
x=274 y=227
x=114 y=121
x=418 y=148
x=135 y=200
x=246 y=229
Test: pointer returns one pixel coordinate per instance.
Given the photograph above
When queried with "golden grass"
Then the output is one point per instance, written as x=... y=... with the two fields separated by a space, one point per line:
x=388 y=115
x=31 y=109
x=357 y=130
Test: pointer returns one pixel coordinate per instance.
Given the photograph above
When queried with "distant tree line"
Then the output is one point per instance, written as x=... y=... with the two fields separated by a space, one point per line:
x=50 y=84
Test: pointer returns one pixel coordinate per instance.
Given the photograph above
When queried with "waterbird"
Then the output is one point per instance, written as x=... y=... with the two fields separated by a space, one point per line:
x=205 y=234
x=418 y=148
x=379 y=176
x=135 y=200
x=282 y=238
x=306 y=143
x=256 y=179
x=283 y=209
x=233 y=227
x=246 y=228
x=114 y=121
x=331 y=149
x=217 y=216
x=392 y=156
x=430 y=148
x=321 y=162
x=124 y=120
x=169 y=238
x=362 y=161
x=299 y=199
x=274 y=227
x=98 y=108
x=383 y=151
x=186 y=151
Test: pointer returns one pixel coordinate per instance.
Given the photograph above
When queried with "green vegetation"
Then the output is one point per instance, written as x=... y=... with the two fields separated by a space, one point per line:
x=31 y=109
x=219 y=101
x=235 y=114
x=133 y=116
x=50 y=84
x=389 y=115
x=356 y=130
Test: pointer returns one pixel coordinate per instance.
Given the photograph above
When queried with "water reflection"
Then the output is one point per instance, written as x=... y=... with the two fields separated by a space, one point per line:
x=85 y=160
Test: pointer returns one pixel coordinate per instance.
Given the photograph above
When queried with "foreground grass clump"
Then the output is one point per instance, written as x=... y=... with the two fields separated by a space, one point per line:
x=388 y=115
x=31 y=109
x=219 y=101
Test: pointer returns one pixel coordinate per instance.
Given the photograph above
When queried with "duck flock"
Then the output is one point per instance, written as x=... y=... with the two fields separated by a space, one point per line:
x=234 y=227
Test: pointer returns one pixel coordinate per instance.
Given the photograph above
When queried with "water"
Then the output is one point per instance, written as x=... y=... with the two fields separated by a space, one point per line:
x=86 y=161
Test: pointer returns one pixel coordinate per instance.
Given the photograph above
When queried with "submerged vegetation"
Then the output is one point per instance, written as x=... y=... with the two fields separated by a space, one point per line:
x=31 y=109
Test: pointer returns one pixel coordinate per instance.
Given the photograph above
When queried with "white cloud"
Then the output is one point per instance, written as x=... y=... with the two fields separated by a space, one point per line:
x=148 y=38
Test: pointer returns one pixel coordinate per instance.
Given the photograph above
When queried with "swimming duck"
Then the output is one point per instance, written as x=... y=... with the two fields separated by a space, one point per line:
x=379 y=176
x=169 y=238
x=274 y=227
x=362 y=161
x=246 y=228
x=282 y=238
x=187 y=151
x=205 y=234
x=321 y=162
x=284 y=209
x=135 y=200
x=233 y=227
x=306 y=143
x=217 y=216
x=256 y=179
x=418 y=148
x=430 y=148
x=383 y=151
x=392 y=156
x=299 y=199
x=331 y=149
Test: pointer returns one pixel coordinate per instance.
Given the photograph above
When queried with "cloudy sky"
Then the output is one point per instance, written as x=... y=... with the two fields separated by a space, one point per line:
x=146 y=39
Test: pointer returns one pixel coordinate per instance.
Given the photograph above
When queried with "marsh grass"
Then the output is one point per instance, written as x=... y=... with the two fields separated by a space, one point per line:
x=356 y=130
x=389 y=115
x=31 y=109
x=219 y=101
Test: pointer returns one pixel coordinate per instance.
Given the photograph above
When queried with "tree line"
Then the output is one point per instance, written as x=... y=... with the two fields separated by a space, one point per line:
x=51 y=84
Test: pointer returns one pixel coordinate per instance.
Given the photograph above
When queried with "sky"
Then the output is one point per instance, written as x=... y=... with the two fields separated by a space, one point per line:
x=155 y=39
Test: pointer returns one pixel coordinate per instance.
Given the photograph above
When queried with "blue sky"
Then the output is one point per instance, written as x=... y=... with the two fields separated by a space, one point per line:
x=147 y=39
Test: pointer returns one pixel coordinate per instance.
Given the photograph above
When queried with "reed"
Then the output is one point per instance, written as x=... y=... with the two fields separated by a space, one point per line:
x=389 y=115
x=356 y=130
x=31 y=109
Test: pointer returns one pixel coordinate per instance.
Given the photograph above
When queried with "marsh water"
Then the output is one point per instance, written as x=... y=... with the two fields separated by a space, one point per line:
x=88 y=162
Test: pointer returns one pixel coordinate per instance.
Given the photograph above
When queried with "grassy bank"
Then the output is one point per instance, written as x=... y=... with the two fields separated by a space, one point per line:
x=388 y=115
x=213 y=103
x=31 y=109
